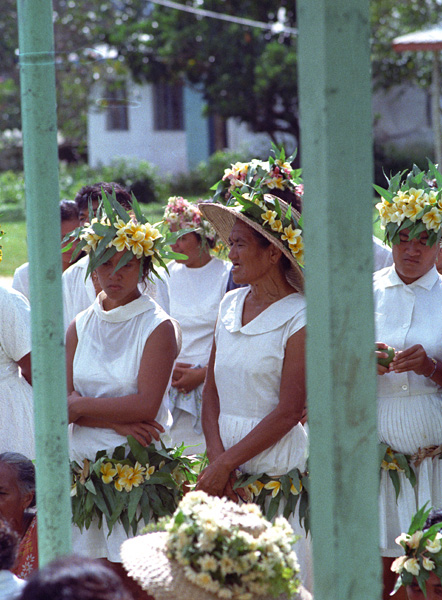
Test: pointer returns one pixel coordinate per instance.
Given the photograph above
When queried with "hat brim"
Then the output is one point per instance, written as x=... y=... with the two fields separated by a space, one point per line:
x=223 y=218
x=145 y=560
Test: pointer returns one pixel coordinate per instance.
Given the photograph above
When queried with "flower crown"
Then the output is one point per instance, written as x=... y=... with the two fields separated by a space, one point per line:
x=185 y=215
x=423 y=552
x=116 y=230
x=414 y=204
x=266 y=211
x=232 y=551
x=263 y=176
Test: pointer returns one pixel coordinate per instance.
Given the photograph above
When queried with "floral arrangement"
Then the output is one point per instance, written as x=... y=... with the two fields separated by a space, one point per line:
x=261 y=176
x=423 y=552
x=142 y=485
x=413 y=203
x=230 y=550
x=395 y=463
x=292 y=487
x=116 y=230
x=185 y=215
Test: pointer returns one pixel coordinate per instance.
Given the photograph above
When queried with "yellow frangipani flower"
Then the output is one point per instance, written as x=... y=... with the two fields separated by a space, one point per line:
x=122 y=471
x=256 y=487
x=275 y=486
x=120 y=241
x=294 y=491
x=412 y=210
x=275 y=182
x=416 y=195
x=150 y=470
x=108 y=471
x=433 y=219
x=269 y=216
x=291 y=234
x=276 y=225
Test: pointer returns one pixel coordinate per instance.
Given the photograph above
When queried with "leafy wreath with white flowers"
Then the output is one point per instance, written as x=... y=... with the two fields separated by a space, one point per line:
x=423 y=552
x=116 y=230
x=231 y=550
x=131 y=488
x=413 y=203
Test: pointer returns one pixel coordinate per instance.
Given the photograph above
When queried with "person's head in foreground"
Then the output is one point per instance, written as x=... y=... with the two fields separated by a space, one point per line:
x=411 y=216
x=17 y=490
x=75 y=578
x=264 y=235
x=420 y=569
x=9 y=541
x=212 y=548
x=196 y=244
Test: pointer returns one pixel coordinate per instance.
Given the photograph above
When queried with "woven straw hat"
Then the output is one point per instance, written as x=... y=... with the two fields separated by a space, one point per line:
x=223 y=219
x=145 y=560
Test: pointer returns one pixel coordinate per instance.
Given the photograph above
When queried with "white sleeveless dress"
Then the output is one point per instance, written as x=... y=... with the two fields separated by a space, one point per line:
x=106 y=364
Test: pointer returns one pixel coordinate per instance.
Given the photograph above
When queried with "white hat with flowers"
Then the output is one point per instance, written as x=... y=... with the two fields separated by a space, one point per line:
x=215 y=549
x=186 y=215
x=414 y=203
x=116 y=230
x=273 y=218
x=423 y=552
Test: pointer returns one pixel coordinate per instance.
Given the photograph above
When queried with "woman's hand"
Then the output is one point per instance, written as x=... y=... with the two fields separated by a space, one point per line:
x=186 y=378
x=379 y=354
x=412 y=359
x=74 y=415
x=142 y=432
x=214 y=479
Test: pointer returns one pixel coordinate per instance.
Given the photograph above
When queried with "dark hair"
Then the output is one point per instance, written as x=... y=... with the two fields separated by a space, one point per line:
x=68 y=210
x=94 y=193
x=24 y=471
x=9 y=541
x=75 y=578
x=290 y=197
x=435 y=516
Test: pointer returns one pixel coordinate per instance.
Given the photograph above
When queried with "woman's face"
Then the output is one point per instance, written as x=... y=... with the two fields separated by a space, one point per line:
x=120 y=287
x=250 y=260
x=433 y=587
x=190 y=245
x=12 y=502
x=412 y=259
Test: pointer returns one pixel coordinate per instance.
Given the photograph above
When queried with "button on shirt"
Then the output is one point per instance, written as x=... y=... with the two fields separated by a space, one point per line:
x=406 y=315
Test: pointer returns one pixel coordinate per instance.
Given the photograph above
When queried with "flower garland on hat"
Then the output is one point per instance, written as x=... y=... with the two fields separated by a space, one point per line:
x=264 y=176
x=232 y=551
x=413 y=203
x=265 y=210
x=116 y=230
x=185 y=215
x=423 y=552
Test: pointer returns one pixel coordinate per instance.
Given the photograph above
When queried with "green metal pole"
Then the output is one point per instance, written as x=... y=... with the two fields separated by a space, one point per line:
x=335 y=102
x=39 y=125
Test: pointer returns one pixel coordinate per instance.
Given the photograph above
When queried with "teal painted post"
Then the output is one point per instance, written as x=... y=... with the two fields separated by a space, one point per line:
x=39 y=124
x=196 y=126
x=336 y=152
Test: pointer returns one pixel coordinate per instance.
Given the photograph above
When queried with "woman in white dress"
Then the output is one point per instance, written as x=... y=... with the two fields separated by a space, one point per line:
x=120 y=353
x=196 y=286
x=254 y=397
x=408 y=317
x=16 y=407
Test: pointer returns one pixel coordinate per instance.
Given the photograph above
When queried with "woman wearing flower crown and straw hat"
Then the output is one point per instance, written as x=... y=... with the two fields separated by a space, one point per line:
x=408 y=318
x=196 y=286
x=254 y=397
x=16 y=406
x=120 y=353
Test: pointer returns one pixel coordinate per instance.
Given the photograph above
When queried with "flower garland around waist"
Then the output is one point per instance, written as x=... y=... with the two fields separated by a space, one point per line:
x=149 y=479
x=292 y=487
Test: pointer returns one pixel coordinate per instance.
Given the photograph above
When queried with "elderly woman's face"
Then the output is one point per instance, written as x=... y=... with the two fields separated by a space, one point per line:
x=12 y=502
x=412 y=259
x=250 y=260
